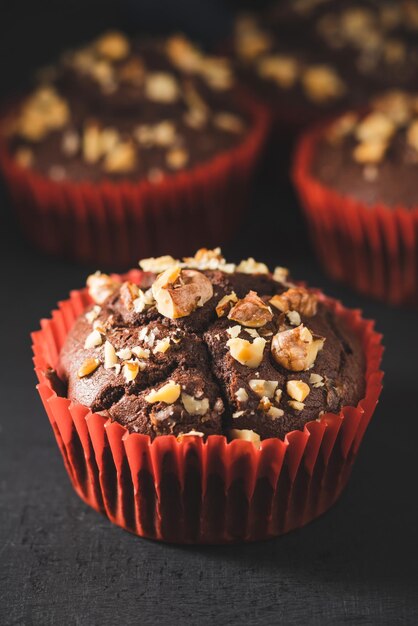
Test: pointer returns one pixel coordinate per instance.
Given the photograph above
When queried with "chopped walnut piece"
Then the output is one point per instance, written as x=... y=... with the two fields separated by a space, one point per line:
x=141 y=353
x=228 y=122
x=375 y=127
x=370 y=151
x=162 y=345
x=296 y=299
x=245 y=435
x=130 y=370
x=251 y=311
x=114 y=46
x=168 y=393
x=93 y=314
x=262 y=388
x=234 y=331
x=194 y=406
x=275 y=413
x=122 y=158
x=264 y=404
x=282 y=69
x=124 y=353
x=157 y=264
x=88 y=367
x=110 y=357
x=179 y=292
x=143 y=300
x=342 y=127
x=246 y=353
x=297 y=389
x=128 y=294
x=183 y=54
x=294 y=404
x=250 y=40
x=280 y=274
x=241 y=395
x=161 y=87
x=225 y=304
x=322 y=83
x=296 y=349
x=133 y=72
x=294 y=318
x=217 y=72
x=101 y=286
x=395 y=104
x=92 y=149
x=177 y=158
x=191 y=433
x=93 y=340
x=250 y=266
x=41 y=113
x=316 y=380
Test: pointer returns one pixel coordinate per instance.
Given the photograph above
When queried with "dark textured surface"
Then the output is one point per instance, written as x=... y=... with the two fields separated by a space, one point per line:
x=62 y=563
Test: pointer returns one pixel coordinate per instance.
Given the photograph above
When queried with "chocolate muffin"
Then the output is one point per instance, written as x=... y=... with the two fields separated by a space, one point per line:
x=372 y=156
x=311 y=56
x=203 y=347
x=127 y=110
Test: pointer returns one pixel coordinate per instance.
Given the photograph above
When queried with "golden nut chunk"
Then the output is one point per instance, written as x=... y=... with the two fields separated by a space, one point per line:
x=370 y=151
x=179 y=292
x=250 y=266
x=246 y=353
x=183 y=54
x=228 y=122
x=42 y=112
x=191 y=433
x=263 y=388
x=217 y=72
x=101 y=286
x=395 y=104
x=322 y=83
x=110 y=357
x=93 y=340
x=296 y=349
x=245 y=435
x=168 y=393
x=130 y=370
x=296 y=299
x=282 y=69
x=133 y=71
x=129 y=292
x=161 y=87
x=375 y=127
x=157 y=264
x=251 y=311
x=280 y=274
x=297 y=389
x=88 y=367
x=342 y=127
x=194 y=406
x=123 y=158
x=225 y=304
x=177 y=158
x=113 y=46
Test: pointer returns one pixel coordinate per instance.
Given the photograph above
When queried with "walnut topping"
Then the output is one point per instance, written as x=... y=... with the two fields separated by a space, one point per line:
x=162 y=345
x=114 y=46
x=263 y=387
x=157 y=264
x=183 y=54
x=93 y=340
x=246 y=353
x=161 y=87
x=194 y=406
x=281 y=274
x=177 y=158
x=88 y=367
x=128 y=294
x=205 y=259
x=191 y=433
x=93 y=314
x=234 y=331
x=141 y=353
x=241 y=395
x=41 y=113
x=245 y=435
x=296 y=349
x=342 y=127
x=24 y=157
x=251 y=311
x=297 y=389
x=130 y=370
x=179 y=292
x=122 y=158
x=110 y=358
x=144 y=300
x=250 y=266
x=316 y=380
x=250 y=41
x=275 y=413
x=294 y=404
x=162 y=134
x=395 y=104
x=376 y=127
x=101 y=286
x=296 y=299
x=278 y=395
x=412 y=135
x=370 y=151
x=224 y=305
x=124 y=353
x=237 y=414
x=217 y=72
x=168 y=393
x=282 y=69
x=228 y=122
x=321 y=83
x=294 y=318
x=264 y=404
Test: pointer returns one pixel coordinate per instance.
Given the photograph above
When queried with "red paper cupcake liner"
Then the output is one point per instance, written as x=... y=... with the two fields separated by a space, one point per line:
x=204 y=492
x=374 y=249
x=116 y=223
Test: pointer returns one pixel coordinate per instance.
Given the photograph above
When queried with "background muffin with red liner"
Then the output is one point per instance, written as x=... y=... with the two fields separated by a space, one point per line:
x=357 y=179
x=310 y=58
x=130 y=147
x=142 y=375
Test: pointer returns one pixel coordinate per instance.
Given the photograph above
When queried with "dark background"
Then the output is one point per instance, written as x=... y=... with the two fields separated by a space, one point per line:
x=62 y=563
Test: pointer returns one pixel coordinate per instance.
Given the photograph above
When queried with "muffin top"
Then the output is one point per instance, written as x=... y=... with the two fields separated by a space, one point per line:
x=328 y=53
x=137 y=109
x=208 y=347
x=372 y=155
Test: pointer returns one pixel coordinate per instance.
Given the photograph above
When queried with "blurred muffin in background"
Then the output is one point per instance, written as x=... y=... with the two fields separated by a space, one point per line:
x=132 y=146
x=357 y=179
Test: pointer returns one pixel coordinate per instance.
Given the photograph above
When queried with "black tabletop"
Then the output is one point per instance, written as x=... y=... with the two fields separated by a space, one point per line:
x=62 y=563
